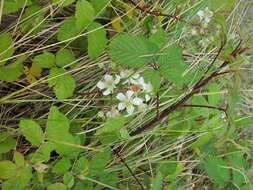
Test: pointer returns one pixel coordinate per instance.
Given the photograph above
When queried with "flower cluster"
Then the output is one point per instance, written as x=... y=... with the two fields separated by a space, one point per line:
x=205 y=16
x=133 y=92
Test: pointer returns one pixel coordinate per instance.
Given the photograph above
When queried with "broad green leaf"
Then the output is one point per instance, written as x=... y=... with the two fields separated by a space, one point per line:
x=130 y=50
x=58 y=132
x=81 y=166
x=154 y=78
x=6 y=47
x=109 y=178
x=8 y=169
x=7 y=143
x=32 y=131
x=171 y=64
x=45 y=60
x=43 y=153
x=19 y=159
x=11 y=6
x=57 y=186
x=64 y=57
x=68 y=179
x=225 y=5
x=157 y=182
x=67 y=30
x=61 y=166
x=159 y=38
x=32 y=19
x=111 y=130
x=62 y=82
x=63 y=3
x=216 y=169
x=96 y=40
x=13 y=71
x=84 y=14
x=99 y=161
x=99 y=5
x=22 y=179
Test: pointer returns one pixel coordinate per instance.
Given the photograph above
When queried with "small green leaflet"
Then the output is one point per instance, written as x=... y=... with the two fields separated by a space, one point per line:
x=216 y=169
x=96 y=40
x=57 y=186
x=62 y=82
x=224 y=5
x=84 y=14
x=157 y=182
x=129 y=50
x=81 y=166
x=13 y=6
x=45 y=60
x=64 y=57
x=67 y=30
x=171 y=64
x=61 y=166
x=6 y=47
x=99 y=5
x=7 y=143
x=13 y=71
x=99 y=162
x=32 y=131
x=19 y=159
x=111 y=130
x=8 y=169
x=68 y=179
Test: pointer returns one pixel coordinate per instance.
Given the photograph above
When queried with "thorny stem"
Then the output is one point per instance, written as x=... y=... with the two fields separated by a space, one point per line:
x=195 y=89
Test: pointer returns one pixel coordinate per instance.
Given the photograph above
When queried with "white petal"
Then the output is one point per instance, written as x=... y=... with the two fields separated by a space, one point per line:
x=200 y=14
x=107 y=92
x=137 y=101
x=108 y=77
x=147 y=97
x=121 y=106
x=121 y=96
x=136 y=76
x=101 y=85
x=129 y=93
x=117 y=79
x=141 y=81
x=130 y=109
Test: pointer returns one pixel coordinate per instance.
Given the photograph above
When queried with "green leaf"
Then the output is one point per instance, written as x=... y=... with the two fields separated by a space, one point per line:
x=99 y=5
x=32 y=20
x=57 y=186
x=8 y=169
x=96 y=40
x=111 y=130
x=81 y=166
x=171 y=65
x=13 y=6
x=22 y=179
x=58 y=132
x=159 y=38
x=32 y=131
x=7 y=143
x=6 y=47
x=64 y=57
x=61 y=166
x=12 y=72
x=154 y=78
x=157 y=182
x=84 y=14
x=216 y=169
x=225 y=5
x=43 y=153
x=19 y=159
x=45 y=60
x=130 y=50
x=67 y=30
x=62 y=82
x=99 y=161
x=68 y=179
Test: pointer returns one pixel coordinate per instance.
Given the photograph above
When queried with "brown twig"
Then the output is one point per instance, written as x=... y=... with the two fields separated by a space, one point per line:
x=156 y=13
x=204 y=106
x=130 y=170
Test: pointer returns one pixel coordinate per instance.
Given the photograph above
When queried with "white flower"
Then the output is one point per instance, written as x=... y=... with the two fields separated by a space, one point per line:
x=113 y=113
x=101 y=114
x=205 y=16
x=127 y=101
x=109 y=83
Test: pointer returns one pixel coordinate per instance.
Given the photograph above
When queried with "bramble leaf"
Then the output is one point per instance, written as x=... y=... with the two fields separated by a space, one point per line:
x=64 y=57
x=45 y=60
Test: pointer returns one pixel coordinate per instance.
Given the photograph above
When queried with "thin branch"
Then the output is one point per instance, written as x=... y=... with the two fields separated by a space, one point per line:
x=204 y=106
